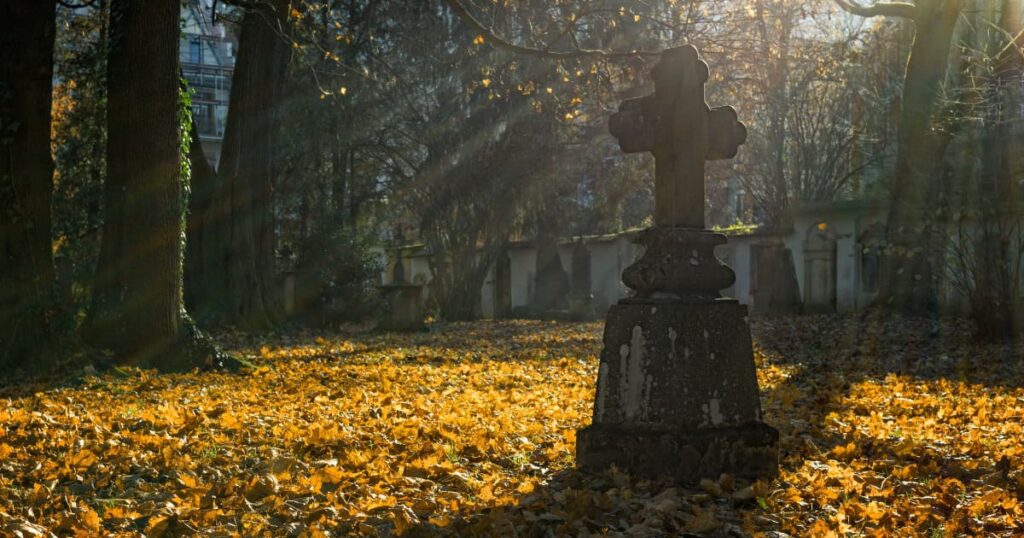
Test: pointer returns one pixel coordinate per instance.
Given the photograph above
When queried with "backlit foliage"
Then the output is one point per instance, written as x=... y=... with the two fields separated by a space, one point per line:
x=470 y=429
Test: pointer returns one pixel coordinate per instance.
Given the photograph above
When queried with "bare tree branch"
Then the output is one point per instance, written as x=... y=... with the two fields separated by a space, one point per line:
x=72 y=5
x=245 y=4
x=491 y=36
x=885 y=9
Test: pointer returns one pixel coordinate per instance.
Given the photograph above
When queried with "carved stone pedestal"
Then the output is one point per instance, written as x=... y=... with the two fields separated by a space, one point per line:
x=677 y=394
x=677 y=391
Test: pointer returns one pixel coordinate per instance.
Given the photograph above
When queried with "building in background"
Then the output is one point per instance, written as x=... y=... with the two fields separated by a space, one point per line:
x=207 y=56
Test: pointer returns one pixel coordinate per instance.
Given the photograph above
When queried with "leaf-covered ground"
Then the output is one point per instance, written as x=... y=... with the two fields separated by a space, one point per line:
x=895 y=429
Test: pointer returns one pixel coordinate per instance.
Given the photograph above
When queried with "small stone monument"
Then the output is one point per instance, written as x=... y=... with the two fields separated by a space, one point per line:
x=551 y=284
x=404 y=310
x=677 y=391
x=581 y=300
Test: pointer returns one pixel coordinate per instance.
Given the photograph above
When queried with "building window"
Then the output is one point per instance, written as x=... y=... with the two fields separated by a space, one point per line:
x=203 y=118
x=195 y=51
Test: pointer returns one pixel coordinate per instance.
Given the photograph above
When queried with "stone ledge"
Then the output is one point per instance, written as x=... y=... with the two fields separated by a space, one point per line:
x=748 y=451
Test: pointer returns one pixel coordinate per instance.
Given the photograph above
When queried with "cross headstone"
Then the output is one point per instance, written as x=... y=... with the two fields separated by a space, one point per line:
x=677 y=126
x=677 y=391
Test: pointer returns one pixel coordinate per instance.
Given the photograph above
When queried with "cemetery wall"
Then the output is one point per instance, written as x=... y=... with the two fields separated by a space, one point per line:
x=831 y=244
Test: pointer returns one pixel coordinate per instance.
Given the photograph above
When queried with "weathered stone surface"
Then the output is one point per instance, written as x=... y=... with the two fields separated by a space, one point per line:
x=687 y=456
x=677 y=394
x=678 y=127
x=581 y=301
x=689 y=365
x=785 y=295
x=581 y=308
x=679 y=263
x=635 y=124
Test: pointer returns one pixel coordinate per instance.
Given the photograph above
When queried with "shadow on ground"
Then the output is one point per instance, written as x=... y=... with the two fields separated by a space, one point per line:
x=823 y=359
x=580 y=503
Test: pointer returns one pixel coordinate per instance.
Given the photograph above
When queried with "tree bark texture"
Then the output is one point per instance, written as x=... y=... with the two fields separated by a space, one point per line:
x=237 y=234
x=137 y=307
x=26 y=179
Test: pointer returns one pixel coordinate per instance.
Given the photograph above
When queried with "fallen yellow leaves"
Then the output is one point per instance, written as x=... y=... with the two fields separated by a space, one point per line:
x=471 y=430
x=894 y=429
x=347 y=435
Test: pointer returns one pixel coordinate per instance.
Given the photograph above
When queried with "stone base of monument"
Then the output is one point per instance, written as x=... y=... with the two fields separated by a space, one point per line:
x=684 y=455
x=677 y=394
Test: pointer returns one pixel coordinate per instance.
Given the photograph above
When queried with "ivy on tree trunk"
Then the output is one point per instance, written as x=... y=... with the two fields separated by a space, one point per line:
x=137 y=309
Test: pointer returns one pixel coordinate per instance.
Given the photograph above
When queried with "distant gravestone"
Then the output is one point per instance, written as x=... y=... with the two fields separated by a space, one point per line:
x=777 y=292
x=405 y=310
x=785 y=296
x=820 y=270
x=677 y=390
x=551 y=285
x=581 y=300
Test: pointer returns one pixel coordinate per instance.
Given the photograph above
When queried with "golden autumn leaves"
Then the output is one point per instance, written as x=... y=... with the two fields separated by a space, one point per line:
x=471 y=429
x=336 y=434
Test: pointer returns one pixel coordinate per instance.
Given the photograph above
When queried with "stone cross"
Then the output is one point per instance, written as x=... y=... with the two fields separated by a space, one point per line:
x=677 y=126
x=677 y=391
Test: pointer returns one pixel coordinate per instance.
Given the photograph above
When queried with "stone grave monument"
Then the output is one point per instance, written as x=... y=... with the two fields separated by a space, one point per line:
x=677 y=392
x=581 y=300
x=405 y=309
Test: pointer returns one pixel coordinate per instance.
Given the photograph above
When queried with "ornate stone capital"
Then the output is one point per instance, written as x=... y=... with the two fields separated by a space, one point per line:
x=678 y=264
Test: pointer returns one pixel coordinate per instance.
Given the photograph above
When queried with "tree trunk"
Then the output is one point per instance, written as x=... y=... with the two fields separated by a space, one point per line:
x=907 y=273
x=197 y=254
x=27 y=30
x=137 y=307
x=994 y=304
x=1009 y=58
x=778 y=103
x=239 y=236
x=340 y=171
